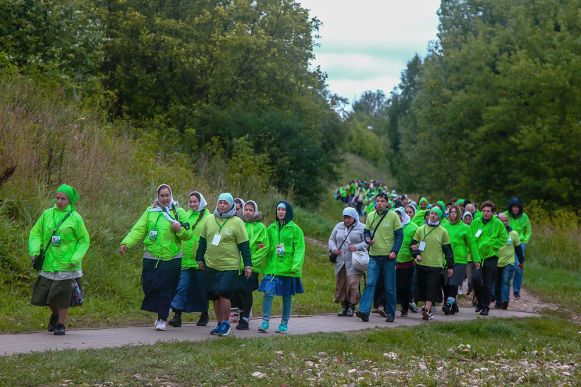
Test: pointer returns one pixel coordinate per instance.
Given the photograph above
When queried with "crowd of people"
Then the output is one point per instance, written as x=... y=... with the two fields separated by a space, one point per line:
x=422 y=252
x=407 y=253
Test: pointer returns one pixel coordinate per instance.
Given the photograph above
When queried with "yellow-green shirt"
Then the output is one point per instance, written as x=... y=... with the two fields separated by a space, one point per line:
x=435 y=238
x=506 y=252
x=384 y=238
x=226 y=255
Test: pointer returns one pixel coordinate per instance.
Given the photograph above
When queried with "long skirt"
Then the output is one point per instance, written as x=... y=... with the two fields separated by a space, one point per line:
x=429 y=284
x=191 y=293
x=159 y=281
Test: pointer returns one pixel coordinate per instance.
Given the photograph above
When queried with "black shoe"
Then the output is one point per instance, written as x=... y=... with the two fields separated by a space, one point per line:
x=516 y=296
x=52 y=322
x=455 y=308
x=484 y=311
x=404 y=313
x=204 y=319
x=242 y=325
x=176 y=321
x=497 y=306
x=363 y=316
x=389 y=318
x=479 y=308
x=59 y=329
x=504 y=305
x=350 y=310
x=446 y=309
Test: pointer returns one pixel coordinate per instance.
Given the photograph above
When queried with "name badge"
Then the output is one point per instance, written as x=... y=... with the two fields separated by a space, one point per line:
x=422 y=246
x=153 y=235
x=280 y=249
x=56 y=240
x=509 y=241
x=216 y=240
x=478 y=233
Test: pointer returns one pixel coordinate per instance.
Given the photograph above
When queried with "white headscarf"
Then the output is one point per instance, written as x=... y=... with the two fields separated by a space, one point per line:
x=405 y=218
x=157 y=207
x=203 y=202
x=257 y=213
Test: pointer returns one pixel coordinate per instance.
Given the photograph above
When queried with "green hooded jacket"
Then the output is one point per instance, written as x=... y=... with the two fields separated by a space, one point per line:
x=167 y=244
x=290 y=237
x=492 y=236
x=74 y=240
x=463 y=243
x=405 y=254
x=190 y=246
x=258 y=235
x=522 y=225
x=418 y=218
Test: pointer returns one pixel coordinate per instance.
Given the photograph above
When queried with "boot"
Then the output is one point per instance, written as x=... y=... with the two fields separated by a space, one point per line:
x=350 y=310
x=176 y=321
x=345 y=306
x=204 y=319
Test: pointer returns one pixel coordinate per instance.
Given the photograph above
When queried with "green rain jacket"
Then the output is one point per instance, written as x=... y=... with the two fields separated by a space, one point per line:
x=190 y=246
x=463 y=243
x=291 y=238
x=418 y=218
x=405 y=254
x=522 y=225
x=258 y=234
x=74 y=240
x=167 y=244
x=493 y=236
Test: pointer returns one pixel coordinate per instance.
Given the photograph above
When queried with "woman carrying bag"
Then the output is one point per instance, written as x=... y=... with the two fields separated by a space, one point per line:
x=58 y=242
x=347 y=238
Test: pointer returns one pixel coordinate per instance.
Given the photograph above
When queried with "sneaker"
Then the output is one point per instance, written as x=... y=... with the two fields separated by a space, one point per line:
x=263 y=327
x=430 y=316
x=350 y=311
x=282 y=328
x=446 y=308
x=381 y=311
x=484 y=312
x=216 y=330
x=161 y=325
x=176 y=321
x=155 y=323
x=59 y=329
x=478 y=309
x=413 y=307
x=203 y=320
x=516 y=296
x=404 y=313
x=242 y=325
x=224 y=329
x=426 y=314
x=52 y=322
x=363 y=316
x=455 y=308
x=504 y=305
x=497 y=306
x=390 y=318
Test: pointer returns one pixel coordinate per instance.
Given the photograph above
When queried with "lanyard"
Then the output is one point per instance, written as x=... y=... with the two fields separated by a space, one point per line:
x=157 y=220
x=426 y=235
x=221 y=226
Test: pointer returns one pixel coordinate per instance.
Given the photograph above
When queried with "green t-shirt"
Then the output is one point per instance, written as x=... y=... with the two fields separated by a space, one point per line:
x=226 y=255
x=383 y=237
x=405 y=254
x=506 y=252
x=435 y=238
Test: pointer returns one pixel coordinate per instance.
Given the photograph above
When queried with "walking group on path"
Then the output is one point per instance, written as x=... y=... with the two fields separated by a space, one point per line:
x=193 y=256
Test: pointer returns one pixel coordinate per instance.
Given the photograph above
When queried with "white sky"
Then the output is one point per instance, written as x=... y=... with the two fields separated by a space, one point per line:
x=365 y=44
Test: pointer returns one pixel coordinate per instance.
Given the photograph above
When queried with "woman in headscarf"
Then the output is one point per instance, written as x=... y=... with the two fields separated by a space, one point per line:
x=161 y=228
x=223 y=239
x=464 y=246
x=284 y=267
x=405 y=262
x=347 y=238
x=239 y=203
x=191 y=291
x=259 y=249
x=63 y=238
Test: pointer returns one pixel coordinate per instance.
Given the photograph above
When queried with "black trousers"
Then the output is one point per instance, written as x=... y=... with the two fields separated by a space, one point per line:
x=489 y=268
x=404 y=278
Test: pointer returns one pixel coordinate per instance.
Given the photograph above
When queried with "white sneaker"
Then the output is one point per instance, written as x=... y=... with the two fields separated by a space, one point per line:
x=155 y=323
x=161 y=325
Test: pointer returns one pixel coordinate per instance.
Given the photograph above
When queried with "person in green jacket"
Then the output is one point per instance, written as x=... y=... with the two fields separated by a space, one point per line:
x=506 y=256
x=405 y=267
x=464 y=247
x=259 y=249
x=223 y=239
x=432 y=251
x=191 y=291
x=284 y=267
x=520 y=222
x=62 y=229
x=490 y=236
x=423 y=203
x=162 y=231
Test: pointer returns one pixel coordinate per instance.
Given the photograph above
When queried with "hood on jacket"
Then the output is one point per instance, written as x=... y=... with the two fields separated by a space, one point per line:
x=289 y=211
x=514 y=201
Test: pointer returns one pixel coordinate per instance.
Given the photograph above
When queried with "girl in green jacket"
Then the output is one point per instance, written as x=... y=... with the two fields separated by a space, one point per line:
x=61 y=233
x=259 y=249
x=161 y=228
x=284 y=266
x=191 y=291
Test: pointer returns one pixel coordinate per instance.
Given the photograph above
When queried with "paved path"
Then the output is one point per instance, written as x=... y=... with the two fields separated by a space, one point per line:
x=116 y=337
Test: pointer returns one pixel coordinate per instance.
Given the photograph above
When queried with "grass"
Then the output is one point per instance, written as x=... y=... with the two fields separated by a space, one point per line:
x=530 y=351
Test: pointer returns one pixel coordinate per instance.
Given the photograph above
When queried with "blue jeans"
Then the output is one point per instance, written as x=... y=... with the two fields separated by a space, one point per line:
x=287 y=303
x=518 y=273
x=503 y=277
x=380 y=268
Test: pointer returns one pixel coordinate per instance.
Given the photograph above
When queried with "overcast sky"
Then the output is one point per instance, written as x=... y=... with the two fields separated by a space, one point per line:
x=365 y=44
